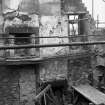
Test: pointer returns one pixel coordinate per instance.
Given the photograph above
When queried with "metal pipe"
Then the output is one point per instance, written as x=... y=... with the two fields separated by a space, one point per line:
x=51 y=45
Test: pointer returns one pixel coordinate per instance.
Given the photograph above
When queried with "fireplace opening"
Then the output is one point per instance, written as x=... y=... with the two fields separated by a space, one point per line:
x=22 y=39
x=22 y=35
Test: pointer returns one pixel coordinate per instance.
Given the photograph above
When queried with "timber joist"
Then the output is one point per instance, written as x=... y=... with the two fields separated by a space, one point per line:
x=51 y=45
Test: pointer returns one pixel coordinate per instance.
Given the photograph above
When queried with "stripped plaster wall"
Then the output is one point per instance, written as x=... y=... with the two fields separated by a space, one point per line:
x=53 y=24
x=50 y=27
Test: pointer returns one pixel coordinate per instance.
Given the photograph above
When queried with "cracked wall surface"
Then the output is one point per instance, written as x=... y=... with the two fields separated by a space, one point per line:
x=53 y=26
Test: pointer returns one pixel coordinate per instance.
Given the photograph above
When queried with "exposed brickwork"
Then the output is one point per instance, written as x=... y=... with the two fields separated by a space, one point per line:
x=9 y=87
x=17 y=85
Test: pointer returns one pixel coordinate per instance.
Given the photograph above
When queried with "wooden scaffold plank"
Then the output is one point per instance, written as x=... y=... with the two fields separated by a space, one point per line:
x=92 y=94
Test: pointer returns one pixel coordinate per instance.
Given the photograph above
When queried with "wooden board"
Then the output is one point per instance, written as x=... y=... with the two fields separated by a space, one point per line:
x=92 y=94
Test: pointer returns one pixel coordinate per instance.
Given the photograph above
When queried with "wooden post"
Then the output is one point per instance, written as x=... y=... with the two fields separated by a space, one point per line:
x=42 y=93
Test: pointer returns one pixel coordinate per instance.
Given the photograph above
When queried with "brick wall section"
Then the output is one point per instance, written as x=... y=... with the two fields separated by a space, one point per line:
x=17 y=85
x=9 y=87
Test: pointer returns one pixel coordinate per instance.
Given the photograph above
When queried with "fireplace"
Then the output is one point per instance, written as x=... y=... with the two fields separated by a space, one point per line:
x=22 y=36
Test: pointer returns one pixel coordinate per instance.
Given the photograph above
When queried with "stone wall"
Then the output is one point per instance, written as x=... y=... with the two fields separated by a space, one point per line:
x=79 y=69
x=99 y=49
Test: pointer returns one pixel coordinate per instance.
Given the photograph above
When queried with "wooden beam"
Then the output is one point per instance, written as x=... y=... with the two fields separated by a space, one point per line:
x=42 y=93
x=51 y=45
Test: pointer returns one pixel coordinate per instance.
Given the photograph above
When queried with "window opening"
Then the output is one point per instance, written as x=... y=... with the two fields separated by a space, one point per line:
x=73 y=24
